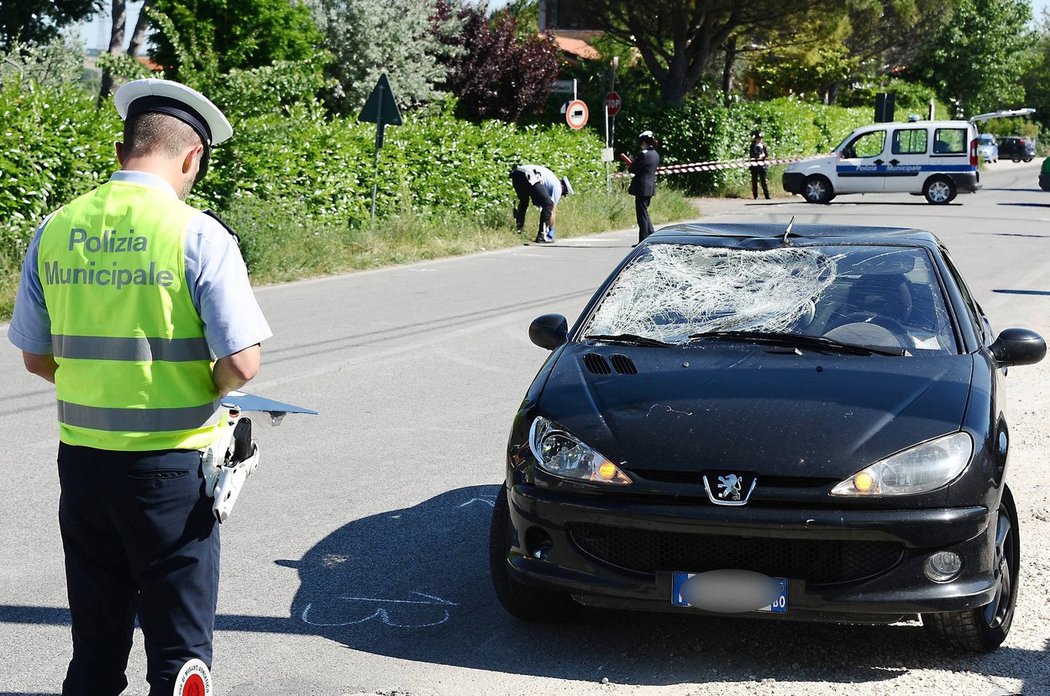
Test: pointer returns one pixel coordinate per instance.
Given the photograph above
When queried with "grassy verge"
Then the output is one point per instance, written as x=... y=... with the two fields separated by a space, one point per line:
x=280 y=243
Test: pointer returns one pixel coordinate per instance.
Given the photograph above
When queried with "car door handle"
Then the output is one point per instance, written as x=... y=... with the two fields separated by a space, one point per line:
x=878 y=161
x=895 y=162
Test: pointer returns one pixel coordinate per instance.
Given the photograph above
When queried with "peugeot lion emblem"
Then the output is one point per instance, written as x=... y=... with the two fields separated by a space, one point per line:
x=730 y=488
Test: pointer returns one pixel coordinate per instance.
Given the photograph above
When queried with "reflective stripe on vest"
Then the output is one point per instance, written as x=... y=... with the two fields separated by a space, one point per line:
x=141 y=349
x=134 y=368
x=138 y=419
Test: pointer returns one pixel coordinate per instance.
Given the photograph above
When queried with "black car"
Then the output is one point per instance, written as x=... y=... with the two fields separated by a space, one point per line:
x=1016 y=148
x=804 y=423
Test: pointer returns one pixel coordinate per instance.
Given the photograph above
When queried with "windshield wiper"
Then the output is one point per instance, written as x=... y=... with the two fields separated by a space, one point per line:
x=629 y=339
x=800 y=341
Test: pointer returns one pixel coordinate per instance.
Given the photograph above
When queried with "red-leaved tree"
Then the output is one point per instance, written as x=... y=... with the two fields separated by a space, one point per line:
x=496 y=74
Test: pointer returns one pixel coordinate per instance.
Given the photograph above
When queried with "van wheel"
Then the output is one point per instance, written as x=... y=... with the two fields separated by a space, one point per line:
x=817 y=189
x=985 y=628
x=939 y=190
x=519 y=599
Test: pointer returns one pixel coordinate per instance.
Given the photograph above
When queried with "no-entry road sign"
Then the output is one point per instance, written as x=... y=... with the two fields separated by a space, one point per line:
x=576 y=114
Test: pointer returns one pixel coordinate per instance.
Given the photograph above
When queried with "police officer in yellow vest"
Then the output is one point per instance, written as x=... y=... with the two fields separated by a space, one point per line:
x=138 y=308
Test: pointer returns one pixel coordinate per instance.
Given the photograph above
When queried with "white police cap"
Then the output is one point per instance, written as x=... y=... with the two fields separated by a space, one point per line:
x=567 y=186
x=177 y=100
x=645 y=134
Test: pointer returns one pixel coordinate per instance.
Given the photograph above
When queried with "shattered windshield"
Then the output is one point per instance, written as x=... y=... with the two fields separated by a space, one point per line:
x=868 y=296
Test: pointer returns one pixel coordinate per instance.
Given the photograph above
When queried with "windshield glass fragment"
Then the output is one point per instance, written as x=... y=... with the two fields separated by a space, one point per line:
x=886 y=297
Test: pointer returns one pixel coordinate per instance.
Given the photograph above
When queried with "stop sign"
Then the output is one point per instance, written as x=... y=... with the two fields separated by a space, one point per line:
x=612 y=103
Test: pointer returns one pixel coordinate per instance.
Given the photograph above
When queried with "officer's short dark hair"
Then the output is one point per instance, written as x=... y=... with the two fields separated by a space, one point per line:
x=150 y=132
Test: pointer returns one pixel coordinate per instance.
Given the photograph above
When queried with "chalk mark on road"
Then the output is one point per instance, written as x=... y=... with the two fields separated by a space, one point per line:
x=381 y=614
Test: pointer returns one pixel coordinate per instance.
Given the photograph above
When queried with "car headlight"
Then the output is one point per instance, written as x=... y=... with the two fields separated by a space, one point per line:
x=919 y=469
x=560 y=453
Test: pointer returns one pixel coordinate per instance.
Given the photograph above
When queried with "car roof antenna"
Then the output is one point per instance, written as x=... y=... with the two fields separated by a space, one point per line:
x=787 y=232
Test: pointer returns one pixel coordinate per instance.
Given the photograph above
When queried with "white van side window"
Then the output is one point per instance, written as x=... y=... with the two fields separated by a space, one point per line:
x=866 y=145
x=949 y=141
x=909 y=141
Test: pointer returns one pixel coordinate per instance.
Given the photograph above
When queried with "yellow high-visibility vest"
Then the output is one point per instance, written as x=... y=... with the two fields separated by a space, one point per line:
x=134 y=369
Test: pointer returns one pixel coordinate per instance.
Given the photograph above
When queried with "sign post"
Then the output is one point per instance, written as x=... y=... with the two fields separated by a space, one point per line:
x=380 y=109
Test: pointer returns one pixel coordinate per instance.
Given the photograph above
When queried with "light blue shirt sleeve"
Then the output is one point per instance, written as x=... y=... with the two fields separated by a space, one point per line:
x=218 y=283
x=30 y=328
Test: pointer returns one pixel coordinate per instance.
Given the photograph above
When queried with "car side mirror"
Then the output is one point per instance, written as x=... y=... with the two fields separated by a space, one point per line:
x=549 y=331
x=1018 y=347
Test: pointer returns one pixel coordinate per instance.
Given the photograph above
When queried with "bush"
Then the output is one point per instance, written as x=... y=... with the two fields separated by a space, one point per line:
x=54 y=145
x=433 y=162
x=705 y=131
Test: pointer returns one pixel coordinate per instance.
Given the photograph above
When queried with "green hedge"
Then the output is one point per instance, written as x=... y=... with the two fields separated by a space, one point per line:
x=54 y=145
x=702 y=131
x=432 y=162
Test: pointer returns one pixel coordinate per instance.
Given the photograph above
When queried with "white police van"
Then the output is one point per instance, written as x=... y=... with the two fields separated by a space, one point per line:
x=937 y=159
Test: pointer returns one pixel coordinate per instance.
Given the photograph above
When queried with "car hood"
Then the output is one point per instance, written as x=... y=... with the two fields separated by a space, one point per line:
x=812 y=162
x=773 y=413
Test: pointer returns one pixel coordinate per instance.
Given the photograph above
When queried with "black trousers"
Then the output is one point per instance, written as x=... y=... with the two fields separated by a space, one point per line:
x=641 y=212
x=759 y=174
x=139 y=540
x=537 y=194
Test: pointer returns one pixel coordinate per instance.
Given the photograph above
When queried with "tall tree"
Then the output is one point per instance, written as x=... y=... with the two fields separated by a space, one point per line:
x=396 y=37
x=119 y=15
x=39 y=21
x=677 y=39
x=499 y=71
x=228 y=34
x=859 y=42
x=976 y=60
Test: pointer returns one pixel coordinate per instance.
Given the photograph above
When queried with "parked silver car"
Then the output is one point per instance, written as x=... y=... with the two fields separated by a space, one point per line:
x=987 y=148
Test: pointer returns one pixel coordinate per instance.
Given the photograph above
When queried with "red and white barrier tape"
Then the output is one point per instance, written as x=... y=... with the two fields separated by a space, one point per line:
x=715 y=166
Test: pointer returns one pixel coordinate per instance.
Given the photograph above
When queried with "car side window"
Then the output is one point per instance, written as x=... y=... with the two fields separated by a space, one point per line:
x=949 y=141
x=910 y=141
x=866 y=145
x=974 y=310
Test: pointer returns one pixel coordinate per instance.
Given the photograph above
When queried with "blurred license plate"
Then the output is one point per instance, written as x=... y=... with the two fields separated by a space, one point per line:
x=714 y=589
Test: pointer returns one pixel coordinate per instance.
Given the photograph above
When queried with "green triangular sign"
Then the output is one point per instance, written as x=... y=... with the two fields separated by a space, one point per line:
x=381 y=107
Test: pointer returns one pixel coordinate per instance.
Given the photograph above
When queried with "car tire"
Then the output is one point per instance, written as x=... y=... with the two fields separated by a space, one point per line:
x=1027 y=159
x=519 y=599
x=1016 y=158
x=985 y=628
x=939 y=190
x=817 y=189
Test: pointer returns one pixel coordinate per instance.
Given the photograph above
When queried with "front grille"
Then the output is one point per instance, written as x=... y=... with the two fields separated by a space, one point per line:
x=696 y=478
x=817 y=561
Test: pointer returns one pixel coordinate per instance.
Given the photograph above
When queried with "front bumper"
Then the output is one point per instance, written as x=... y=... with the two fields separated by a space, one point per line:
x=792 y=181
x=841 y=565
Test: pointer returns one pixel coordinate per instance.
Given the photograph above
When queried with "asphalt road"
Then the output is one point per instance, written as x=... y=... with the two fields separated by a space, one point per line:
x=354 y=562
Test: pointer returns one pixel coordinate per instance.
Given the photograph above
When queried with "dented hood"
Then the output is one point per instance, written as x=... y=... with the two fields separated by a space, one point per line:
x=755 y=409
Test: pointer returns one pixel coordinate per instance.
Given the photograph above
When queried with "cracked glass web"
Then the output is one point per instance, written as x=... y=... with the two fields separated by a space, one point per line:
x=682 y=289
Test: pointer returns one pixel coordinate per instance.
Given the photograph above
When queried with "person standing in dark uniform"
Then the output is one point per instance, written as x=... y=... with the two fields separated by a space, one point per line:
x=138 y=308
x=643 y=185
x=758 y=155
